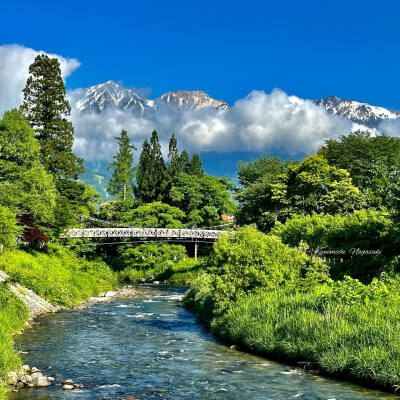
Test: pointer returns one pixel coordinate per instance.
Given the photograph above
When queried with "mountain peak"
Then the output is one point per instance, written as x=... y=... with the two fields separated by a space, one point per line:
x=196 y=99
x=362 y=113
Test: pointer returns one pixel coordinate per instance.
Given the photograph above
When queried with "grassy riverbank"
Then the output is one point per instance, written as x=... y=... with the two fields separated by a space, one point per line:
x=279 y=302
x=57 y=275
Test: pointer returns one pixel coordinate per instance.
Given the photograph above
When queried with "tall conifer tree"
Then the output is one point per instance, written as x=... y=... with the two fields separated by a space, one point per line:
x=121 y=182
x=196 y=166
x=46 y=109
x=151 y=174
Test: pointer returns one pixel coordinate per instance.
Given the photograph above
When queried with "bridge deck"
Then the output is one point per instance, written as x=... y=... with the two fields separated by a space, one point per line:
x=156 y=233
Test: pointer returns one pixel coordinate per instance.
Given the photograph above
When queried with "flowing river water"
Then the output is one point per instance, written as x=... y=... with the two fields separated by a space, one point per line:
x=147 y=347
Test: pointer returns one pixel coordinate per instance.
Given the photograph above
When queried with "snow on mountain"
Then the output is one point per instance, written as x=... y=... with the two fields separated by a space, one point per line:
x=362 y=113
x=111 y=95
x=192 y=99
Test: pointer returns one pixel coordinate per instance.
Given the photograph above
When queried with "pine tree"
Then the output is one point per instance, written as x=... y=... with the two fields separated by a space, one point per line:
x=121 y=183
x=184 y=162
x=46 y=109
x=196 y=166
x=174 y=165
x=151 y=174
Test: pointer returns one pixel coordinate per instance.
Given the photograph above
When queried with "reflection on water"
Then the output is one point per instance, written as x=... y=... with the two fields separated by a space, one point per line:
x=148 y=348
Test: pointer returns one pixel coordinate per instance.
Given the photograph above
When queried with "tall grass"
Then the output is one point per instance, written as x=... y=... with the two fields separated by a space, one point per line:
x=353 y=338
x=175 y=273
x=13 y=316
x=58 y=274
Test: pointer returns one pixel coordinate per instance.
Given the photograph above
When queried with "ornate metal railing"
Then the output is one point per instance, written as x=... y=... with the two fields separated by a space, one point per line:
x=154 y=233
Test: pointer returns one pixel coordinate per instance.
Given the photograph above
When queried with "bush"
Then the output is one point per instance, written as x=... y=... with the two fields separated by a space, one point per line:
x=250 y=259
x=58 y=274
x=343 y=239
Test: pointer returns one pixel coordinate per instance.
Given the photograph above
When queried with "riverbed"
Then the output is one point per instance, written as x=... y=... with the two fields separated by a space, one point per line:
x=149 y=348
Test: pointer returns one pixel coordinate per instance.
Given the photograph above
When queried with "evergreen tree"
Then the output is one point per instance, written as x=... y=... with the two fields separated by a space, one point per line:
x=121 y=182
x=174 y=161
x=196 y=166
x=46 y=109
x=184 y=162
x=151 y=175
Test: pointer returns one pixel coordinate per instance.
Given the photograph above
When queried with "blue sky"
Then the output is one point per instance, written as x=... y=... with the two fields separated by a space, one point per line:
x=308 y=48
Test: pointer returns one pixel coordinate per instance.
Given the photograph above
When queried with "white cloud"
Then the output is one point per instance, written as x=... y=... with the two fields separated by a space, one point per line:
x=14 y=66
x=390 y=127
x=259 y=122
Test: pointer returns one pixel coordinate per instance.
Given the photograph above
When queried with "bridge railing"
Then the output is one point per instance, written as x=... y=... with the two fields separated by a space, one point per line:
x=133 y=232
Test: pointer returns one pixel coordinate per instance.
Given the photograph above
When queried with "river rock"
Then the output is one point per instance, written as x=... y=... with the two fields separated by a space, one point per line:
x=40 y=381
x=68 y=382
x=68 y=387
x=12 y=378
x=26 y=379
x=111 y=293
x=156 y=282
x=34 y=369
x=142 y=280
x=26 y=369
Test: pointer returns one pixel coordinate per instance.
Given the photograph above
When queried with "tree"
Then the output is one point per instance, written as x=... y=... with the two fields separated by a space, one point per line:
x=155 y=215
x=257 y=178
x=121 y=181
x=151 y=174
x=373 y=163
x=196 y=166
x=46 y=109
x=273 y=191
x=202 y=198
x=25 y=186
x=9 y=230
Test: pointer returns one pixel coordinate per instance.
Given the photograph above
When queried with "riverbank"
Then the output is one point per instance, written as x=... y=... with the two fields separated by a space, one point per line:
x=33 y=283
x=276 y=301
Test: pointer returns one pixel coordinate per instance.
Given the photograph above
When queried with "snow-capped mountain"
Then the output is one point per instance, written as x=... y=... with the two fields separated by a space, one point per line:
x=362 y=113
x=193 y=99
x=111 y=95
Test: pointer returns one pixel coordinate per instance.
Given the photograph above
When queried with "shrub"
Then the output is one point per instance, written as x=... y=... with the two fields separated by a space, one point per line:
x=58 y=274
x=9 y=230
x=250 y=259
x=343 y=239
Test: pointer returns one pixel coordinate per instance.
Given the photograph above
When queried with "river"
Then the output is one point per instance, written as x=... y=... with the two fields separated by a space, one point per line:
x=149 y=348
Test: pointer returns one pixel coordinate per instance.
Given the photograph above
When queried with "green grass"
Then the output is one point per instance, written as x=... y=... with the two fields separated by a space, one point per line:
x=13 y=316
x=180 y=273
x=358 y=339
x=58 y=274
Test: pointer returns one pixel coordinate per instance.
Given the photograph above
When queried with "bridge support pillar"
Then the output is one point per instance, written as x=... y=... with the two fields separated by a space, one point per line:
x=196 y=248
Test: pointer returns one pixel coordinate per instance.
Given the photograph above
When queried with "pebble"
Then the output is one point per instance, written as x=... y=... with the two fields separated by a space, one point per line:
x=68 y=387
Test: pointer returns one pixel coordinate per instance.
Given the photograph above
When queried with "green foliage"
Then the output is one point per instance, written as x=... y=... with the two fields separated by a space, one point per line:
x=273 y=191
x=120 y=184
x=202 y=198
x=148 y=256
x=196 y=166
x=46 y=109
x=155 y=215
x=58 y=275
x=256 y=197
x=9 y=230
x=25 y=186
x=151 y=174
x=13 y=316
x=345 y=328
x=248 y=259
x=345 y=241
x=373 y=163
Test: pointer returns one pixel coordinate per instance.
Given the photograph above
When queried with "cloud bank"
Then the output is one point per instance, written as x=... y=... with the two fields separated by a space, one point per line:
x=14 y=66
x=257 y=123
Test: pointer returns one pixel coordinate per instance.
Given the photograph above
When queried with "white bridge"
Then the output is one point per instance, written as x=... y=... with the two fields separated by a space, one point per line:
x=203 y=235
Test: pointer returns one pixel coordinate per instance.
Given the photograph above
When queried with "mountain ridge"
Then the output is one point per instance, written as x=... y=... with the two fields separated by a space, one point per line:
x=111 y=95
